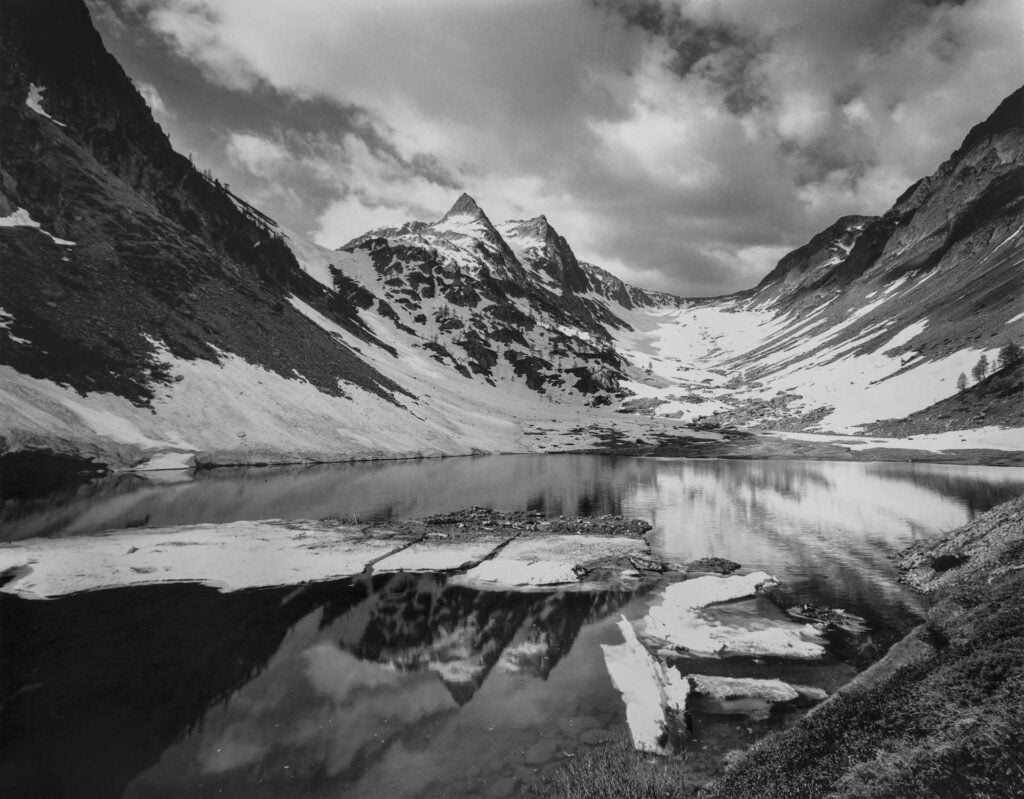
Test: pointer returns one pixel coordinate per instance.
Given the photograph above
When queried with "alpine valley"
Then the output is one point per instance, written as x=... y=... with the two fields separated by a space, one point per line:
x=153 y=319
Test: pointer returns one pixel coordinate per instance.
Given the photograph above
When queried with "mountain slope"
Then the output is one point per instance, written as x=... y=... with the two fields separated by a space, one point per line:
x=146 y=310
x=875 y=317
x=151 y=318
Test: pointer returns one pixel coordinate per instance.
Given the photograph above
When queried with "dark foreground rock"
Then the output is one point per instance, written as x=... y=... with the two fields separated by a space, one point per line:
x=942 y=715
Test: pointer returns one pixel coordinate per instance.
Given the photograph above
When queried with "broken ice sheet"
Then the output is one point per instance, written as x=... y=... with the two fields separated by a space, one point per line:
x=686 y=622
x=752 y=697
x=654 y=694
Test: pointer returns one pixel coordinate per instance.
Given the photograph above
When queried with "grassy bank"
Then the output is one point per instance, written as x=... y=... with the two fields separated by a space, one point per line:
x=942 y=715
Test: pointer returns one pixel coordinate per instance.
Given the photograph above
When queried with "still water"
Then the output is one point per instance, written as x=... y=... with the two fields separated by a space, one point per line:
x=405 y=685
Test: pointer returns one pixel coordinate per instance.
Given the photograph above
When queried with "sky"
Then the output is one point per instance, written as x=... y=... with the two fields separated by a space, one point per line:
x=684 y=145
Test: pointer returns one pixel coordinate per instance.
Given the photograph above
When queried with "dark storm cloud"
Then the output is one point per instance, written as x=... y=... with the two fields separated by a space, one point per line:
x=685 y=145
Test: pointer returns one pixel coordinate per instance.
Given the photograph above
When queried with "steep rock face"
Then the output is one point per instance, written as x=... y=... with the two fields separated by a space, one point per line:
x=808 y=265
x=147 y=311
x=874 y=318
x=539 y=246
x=149 y=315
x=494 y=302
x=145 y=253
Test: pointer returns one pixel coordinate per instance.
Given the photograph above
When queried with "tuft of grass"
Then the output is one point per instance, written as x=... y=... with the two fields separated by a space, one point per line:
x=617 y=771
x=944 y=723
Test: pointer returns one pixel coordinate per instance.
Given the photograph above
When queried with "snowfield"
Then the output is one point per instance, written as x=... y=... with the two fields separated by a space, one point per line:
x=841 y=367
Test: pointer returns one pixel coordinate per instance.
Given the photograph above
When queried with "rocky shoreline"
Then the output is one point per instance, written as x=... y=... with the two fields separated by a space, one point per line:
x=942 y=714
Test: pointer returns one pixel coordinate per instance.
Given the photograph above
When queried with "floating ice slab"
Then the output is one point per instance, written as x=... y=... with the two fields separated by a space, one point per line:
x=679 y=623
x=709 y=590
x=509 y=572
x=230 y=556
x=433 y=555
x=750 y=696
x=654 y=694
x=551 y=560
x=737 y=687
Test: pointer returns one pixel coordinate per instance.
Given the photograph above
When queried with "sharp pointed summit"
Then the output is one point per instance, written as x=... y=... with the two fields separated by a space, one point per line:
x=464 y=206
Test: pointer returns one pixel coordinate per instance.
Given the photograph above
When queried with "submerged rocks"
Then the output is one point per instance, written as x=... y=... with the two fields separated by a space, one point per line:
x=828 y=618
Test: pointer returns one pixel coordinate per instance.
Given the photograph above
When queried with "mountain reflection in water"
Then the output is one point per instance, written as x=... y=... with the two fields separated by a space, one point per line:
x=406 y=685
x=711 y=498
x=178 y=690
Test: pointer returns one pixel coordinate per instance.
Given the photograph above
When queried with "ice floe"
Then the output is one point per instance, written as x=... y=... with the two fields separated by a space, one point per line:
x=434 y=555
x=747 y=695
x=229 y=556
x=681 y=622
x=654 y=694
x=550 y=560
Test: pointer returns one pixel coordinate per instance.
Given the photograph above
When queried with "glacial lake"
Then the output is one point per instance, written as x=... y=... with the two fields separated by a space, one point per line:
x=406 y=685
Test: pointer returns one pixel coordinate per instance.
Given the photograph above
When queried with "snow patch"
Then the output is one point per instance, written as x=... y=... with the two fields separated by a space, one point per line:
x=6 y=320
x=168 y=461
x=22 y=218
x=34 y=100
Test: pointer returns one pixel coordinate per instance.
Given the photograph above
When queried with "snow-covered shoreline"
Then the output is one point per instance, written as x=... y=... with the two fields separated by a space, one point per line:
x=239 y=555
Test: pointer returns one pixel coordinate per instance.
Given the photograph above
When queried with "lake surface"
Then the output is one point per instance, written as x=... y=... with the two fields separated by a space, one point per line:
x=410 y=686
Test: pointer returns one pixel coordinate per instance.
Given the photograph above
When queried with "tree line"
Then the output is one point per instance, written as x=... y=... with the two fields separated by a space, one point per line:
x=1009 y=355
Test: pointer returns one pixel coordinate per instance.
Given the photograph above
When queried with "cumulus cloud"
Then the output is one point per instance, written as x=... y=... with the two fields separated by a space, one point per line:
x=685 y=143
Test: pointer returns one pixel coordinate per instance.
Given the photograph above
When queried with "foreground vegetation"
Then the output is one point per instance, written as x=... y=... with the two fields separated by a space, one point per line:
x=942 y=715
x=617 y=771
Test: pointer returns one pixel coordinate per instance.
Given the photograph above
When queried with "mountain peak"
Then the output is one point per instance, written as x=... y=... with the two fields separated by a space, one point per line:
x=464 y=206
x=537 y=227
